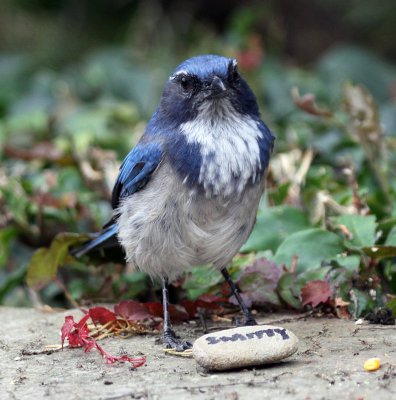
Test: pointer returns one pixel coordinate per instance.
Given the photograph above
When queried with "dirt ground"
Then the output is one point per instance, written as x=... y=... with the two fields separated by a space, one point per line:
x=328 y=364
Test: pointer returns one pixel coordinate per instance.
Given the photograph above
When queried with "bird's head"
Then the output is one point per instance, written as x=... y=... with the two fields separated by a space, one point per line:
x=210 y=84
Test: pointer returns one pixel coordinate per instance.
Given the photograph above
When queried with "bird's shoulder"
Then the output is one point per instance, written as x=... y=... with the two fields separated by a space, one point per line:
x=137 y=168
x=266 y=141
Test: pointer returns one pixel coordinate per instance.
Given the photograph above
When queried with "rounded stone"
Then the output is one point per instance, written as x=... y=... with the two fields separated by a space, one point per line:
x=244 y=346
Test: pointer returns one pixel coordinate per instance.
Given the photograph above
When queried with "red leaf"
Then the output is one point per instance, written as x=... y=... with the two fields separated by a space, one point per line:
x=250 y=59
x=101 y=315
x=135 y=361
x=74 y=332
x=192 y=306
x=90 y=344
x=211 y=298
x=67 y=327
x=155 y=308
x=132 y=310
x=82 y=324
x=110 y=359
x=176 y=312
x=315 y=292
x=78 y=336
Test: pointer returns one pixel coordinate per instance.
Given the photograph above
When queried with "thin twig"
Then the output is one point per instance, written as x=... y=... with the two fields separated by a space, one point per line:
x=67 y=293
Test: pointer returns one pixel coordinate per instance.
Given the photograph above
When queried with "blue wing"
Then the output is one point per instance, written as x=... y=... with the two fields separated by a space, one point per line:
x=134 y=174
x=266 y=144
x=136 y=170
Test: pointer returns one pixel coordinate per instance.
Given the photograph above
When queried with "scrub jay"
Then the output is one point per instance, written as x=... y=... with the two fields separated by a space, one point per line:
x=188 y=192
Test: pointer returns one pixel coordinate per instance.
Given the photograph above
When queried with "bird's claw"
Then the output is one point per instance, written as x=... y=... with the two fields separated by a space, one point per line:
x=172 y=341
x=246 y=322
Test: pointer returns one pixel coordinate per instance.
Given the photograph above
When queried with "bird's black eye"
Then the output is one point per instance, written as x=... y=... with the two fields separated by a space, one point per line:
x=187 y=83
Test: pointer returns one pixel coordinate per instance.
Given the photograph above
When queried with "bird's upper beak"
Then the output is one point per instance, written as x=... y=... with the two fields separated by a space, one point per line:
x=216 y=88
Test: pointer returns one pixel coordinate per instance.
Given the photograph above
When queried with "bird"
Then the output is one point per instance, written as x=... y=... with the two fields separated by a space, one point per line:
x=187 y=194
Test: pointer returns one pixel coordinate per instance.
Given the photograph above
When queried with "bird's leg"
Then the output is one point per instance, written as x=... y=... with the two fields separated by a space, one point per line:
x=170 y=339
x=248 y=318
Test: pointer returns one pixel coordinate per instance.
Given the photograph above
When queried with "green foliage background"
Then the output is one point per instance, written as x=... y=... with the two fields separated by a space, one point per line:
x=79 y=81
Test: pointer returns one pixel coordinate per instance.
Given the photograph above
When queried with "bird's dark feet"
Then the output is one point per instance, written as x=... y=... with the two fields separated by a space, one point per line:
x=250 y=321
x=172 y=341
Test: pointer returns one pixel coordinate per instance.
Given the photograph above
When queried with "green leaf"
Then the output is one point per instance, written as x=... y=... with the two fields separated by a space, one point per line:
x=319 y=274
x=274 y=225
x=6 y=237
x=200 y=280
x=362 y=303
x=350 y=262
x=344 y=62
x=391 y=238
x=11 y=281
x=361 y=227
x=289 y=290
x=45 y=262
x=391 y=304
x=136 y=283
x=311 y=247
x=380 y=252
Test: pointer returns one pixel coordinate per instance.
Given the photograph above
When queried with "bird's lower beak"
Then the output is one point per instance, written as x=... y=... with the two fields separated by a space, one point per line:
x=216 y=88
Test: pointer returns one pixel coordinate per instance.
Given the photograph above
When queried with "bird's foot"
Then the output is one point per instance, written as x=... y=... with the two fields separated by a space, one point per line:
x=173 y=342
x=250 y=321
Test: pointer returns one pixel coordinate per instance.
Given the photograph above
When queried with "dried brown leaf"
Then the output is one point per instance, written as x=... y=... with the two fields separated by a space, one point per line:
x=307 y=103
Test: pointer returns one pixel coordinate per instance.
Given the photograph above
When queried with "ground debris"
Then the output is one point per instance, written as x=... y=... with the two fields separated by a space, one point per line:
x=382 y=316
x=326 y=356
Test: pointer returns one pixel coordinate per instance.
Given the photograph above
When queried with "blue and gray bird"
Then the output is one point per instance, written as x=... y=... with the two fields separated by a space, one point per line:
x=188 y=193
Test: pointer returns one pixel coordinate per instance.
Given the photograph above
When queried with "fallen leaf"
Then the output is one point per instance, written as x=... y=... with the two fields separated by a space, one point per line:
x=101 y=315
x=192 y=306
x=132 y=310
x=67 y=327
x=176 y=312
x=77 y=334
x=341 y=308
x=339 y=302
x=315 y=292
x=307 y=103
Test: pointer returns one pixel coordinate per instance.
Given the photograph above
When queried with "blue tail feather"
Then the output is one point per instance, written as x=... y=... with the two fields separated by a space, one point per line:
x=108 y=235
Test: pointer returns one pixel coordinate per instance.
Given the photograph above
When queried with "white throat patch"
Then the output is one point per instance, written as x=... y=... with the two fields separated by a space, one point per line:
x=229 y=147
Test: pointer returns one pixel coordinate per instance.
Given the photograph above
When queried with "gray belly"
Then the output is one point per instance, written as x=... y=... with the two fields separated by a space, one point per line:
x=166 y=228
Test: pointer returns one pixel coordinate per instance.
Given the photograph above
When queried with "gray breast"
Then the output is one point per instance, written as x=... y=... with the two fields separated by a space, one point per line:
x=166 y=228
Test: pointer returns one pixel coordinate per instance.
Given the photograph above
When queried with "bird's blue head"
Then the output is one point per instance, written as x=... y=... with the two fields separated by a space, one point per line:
x=209 y=119
x=206 y=81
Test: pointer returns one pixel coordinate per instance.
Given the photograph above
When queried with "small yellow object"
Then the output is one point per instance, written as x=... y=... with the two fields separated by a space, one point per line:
x=186 y=353
x=372 y=364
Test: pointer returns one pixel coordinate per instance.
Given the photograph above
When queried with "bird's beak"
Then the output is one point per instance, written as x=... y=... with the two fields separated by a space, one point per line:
x=216 y=88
